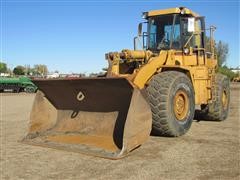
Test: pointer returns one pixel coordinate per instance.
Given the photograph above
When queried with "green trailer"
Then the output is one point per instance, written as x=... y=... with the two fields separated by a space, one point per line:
x=17 y=84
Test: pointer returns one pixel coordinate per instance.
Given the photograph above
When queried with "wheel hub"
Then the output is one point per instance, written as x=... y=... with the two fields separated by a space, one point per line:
x=181 y=105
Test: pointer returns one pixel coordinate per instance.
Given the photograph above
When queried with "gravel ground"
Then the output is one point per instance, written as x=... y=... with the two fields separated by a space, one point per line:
x=210 y=150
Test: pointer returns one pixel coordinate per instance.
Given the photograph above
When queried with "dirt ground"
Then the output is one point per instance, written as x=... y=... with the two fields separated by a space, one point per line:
x=210 y=150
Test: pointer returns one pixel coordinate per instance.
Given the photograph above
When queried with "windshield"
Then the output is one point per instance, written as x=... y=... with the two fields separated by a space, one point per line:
x=164 y=33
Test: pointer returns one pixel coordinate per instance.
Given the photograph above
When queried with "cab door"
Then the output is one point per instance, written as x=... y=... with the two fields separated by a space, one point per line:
x=192 y=38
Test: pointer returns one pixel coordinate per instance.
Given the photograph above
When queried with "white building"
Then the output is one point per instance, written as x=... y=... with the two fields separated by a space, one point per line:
x=53 y=75
x=4 y=74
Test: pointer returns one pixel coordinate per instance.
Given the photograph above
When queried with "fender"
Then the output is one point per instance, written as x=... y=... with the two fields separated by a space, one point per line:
x=148 y=70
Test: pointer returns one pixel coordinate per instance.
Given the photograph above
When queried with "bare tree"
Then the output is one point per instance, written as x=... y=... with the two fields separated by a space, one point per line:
x=222 y=53
x=221 y=50
x=41 y=69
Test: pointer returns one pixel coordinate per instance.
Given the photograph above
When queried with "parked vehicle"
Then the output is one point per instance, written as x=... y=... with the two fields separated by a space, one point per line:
x=17 y=84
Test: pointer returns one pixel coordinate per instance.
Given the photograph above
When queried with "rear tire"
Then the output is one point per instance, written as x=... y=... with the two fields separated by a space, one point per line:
x=218 y=109
x=171 y=98
x=29 y=89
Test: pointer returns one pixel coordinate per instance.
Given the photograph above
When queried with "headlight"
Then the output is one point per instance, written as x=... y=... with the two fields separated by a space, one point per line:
x=144 y=15
x=186 y=51
x=182 y=11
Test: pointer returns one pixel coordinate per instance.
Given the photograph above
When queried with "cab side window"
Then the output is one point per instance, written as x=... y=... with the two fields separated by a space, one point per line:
x=192 y=39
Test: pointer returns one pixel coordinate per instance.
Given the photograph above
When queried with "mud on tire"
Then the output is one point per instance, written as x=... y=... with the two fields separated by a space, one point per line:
x=162 y=92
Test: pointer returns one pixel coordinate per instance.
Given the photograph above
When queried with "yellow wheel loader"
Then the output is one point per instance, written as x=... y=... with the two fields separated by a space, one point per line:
x=155 y=88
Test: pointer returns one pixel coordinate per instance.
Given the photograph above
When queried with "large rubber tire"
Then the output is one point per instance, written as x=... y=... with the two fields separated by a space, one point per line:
x=162 y=90
x=218 y=109
x=30 y=89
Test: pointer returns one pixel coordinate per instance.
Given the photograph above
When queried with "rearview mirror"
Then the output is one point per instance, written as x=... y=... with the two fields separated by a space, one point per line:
x=139 y=29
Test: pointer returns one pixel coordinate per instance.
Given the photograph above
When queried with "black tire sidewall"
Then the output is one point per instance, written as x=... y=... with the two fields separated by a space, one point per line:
x=182 y=83
x=29 y=89
x=224 y=87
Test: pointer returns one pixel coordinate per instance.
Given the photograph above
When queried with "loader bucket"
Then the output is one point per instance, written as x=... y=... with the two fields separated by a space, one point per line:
x=105 y=117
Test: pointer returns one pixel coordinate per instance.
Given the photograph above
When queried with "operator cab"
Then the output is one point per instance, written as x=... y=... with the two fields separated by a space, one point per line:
x=176 y=28
x=164 y=32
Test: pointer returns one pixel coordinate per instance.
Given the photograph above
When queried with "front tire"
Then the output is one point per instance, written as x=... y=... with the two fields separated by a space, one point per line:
x=171 y=98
